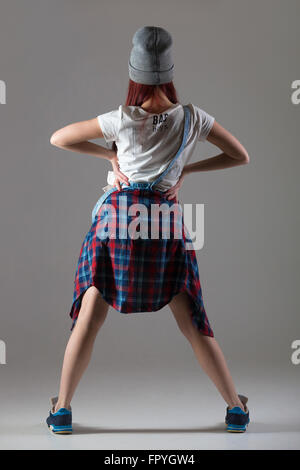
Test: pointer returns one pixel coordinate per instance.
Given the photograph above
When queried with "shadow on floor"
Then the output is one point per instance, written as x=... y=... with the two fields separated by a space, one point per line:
x=81 y=429
x=265 y=428
x=254 y=428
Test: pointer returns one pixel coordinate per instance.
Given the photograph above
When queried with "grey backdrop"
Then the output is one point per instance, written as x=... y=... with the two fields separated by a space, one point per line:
x=65 y=61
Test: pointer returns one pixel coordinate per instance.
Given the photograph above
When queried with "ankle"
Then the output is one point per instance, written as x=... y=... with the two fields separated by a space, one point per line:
x=60 y=405
x=239 y=404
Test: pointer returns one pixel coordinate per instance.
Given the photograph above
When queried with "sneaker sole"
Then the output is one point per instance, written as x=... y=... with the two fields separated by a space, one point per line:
x=236 y=428
x=60 y=429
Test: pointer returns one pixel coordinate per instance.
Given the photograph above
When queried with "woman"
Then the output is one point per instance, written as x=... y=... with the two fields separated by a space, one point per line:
x=155 y=138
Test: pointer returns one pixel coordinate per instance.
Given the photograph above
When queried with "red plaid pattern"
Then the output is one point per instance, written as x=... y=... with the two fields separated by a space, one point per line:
x=138 y=275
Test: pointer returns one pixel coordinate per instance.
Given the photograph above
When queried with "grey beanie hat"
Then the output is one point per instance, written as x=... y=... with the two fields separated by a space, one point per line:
x=151 y=60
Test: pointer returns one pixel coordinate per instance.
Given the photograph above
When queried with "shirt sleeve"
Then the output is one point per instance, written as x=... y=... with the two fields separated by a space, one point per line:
x=205 y=122
x=110 y=124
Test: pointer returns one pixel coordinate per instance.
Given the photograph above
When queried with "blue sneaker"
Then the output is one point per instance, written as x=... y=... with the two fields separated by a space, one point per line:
x=237 y=419
x=61 y=421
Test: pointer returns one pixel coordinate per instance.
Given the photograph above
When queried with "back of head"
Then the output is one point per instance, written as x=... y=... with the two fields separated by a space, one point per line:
x=151 y=61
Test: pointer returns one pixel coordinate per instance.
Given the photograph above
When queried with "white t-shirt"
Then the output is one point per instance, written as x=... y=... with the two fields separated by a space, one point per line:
x=147 y=142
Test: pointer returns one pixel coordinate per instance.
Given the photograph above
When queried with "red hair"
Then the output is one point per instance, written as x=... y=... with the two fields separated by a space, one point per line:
x=138 y=93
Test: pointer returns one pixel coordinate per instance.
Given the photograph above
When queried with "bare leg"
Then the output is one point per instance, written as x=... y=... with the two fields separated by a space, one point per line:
x=80 y=345
x=206 y=349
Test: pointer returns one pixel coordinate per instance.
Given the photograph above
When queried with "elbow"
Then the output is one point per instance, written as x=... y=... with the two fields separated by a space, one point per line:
x=56 y=140
x=245 y=159
x=53 y=139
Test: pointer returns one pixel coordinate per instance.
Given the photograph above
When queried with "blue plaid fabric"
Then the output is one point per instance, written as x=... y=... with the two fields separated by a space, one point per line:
x=141 y=274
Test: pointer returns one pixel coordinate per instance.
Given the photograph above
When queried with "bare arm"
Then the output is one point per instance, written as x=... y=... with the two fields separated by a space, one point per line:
x=233 y=154
x=75 y=137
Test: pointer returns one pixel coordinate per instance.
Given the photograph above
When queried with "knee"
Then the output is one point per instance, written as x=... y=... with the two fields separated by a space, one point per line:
x=93 y=309
x=187 y=327
x=91 y=319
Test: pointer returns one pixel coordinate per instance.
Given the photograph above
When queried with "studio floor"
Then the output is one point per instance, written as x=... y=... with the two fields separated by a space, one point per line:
x=134 y=410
